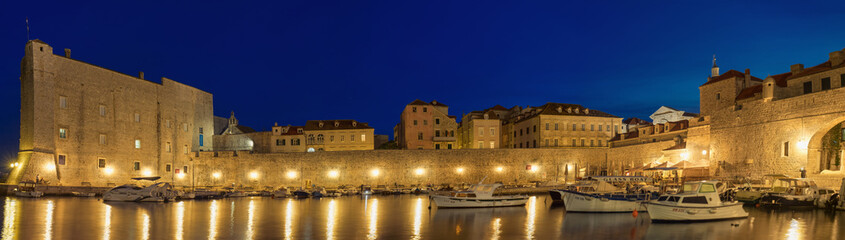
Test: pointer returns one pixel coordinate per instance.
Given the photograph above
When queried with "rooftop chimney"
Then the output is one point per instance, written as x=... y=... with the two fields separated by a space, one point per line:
x=747 y=81
x=67 y=52
x=141 y=75
x=796 y=68
x=836 y=58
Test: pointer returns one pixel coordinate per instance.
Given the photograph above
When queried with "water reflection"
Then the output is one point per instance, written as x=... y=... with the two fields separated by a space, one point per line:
x=9 y=218
x=288 y=221
x=48 y=221
x=401 y=217
x=330 y=219
x=107 y=223
x=250 y=232
x=372 y=234
x=180 y=221
x=417 y=219
x=145 y=227
x=497 y=228
x=794 y=232
x=212 y=220
x=529 y=221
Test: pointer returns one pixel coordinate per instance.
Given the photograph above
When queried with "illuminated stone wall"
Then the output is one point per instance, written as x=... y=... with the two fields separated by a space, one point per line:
x=394 y=166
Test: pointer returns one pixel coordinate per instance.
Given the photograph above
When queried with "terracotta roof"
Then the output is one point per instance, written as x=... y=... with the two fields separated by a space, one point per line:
x=679 y=125
x=436 y=103
x=498 y=107
x=480 y=115
x=730 y=74
x=628 y=135
x=636 y=121
x=552 y=109
x=749 y=92
x=780 y=79
x=330 y=125
x=418 y=102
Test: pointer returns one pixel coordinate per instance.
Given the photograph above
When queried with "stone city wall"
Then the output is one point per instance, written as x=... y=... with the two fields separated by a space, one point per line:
x=394 y=166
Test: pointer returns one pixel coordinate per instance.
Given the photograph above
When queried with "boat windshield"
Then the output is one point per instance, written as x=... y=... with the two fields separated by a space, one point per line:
x=691 y=187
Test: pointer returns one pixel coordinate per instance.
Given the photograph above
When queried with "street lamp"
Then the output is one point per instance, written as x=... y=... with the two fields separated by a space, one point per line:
x=253 y=175
x=419 y=171
x=500 y=169
x=375 y=172
x=216 y=175
x=460 y=170
x=334 y=173
x=291 y=174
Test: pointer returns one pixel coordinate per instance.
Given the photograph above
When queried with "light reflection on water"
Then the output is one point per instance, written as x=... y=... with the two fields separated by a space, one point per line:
x=377 y=217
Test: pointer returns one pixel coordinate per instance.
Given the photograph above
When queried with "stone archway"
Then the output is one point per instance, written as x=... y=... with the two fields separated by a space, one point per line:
x=823 y=150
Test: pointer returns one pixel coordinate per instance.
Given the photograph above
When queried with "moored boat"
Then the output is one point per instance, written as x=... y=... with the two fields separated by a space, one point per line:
x=596 y=194
x=790 y=192
x=698 y=201
x=27 y=189
x=158 y=192
x=479 y=195
x=282 y=192
x=299 y=193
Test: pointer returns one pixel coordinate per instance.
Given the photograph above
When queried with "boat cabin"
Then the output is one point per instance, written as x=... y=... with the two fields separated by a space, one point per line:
x=695 y=193
x=477 y=190
x=794 y=186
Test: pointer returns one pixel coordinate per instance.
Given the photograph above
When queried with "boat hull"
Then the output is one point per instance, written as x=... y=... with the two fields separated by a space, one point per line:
x=556 y=195
x=30 y=194
x=579 y=202
x=779 y=201
x=671 y=213
x=454 y=202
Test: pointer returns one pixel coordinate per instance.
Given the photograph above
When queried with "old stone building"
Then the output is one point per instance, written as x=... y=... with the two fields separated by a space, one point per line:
x=86 y=125
x=425 y=125
x=337 y=135
x=287 y=139
x=479 y=130
x=561 y=125
x=630 y=124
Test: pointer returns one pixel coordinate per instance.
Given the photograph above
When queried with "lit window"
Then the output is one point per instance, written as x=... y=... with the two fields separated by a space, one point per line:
x=492 y=144
x=137 y=143
x=364 y=137
x=62 y=133
x=62 y=159
x=62 y=102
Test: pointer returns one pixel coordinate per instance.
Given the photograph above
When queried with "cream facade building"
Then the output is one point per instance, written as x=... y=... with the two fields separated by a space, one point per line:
x=561 y=125
x=480 y=130
x=337 y=135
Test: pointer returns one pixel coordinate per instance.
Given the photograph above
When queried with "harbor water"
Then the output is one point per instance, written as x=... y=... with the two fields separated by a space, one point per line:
x=378 y=217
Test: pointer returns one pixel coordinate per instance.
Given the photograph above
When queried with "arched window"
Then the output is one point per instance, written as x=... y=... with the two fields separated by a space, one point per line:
x=319 y=138
x=310 y=139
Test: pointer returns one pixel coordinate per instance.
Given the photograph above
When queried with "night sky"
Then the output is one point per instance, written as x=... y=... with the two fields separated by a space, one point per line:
x=292 y=61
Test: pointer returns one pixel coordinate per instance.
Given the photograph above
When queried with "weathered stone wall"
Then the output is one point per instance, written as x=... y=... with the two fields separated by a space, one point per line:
x=394 y=166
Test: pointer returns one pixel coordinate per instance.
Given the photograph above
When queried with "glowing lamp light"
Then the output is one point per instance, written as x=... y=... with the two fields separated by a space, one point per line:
x=684 y=156
x=460 y=170
x=334 y=174
x=802 y=144
x=216 y=175
x=291 y=174
x=148 y=172
x=253 y=175
x=375 y=172
x=500 y=169
x=534 y=168
x=108 y=170
x=419 y=171
x=180 y=175
x=703 y=152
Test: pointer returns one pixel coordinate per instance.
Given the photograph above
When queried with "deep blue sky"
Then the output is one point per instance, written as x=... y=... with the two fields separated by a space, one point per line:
x=291 y=61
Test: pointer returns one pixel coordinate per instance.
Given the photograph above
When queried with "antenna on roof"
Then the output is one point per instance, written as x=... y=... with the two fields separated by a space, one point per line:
x=27 y=29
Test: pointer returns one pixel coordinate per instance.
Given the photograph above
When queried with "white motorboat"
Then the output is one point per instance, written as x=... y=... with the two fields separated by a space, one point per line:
x=158 y=192
x=698 y=201
x=596 y=194
x=282 y=192
x=479 y=195
x=27 y=189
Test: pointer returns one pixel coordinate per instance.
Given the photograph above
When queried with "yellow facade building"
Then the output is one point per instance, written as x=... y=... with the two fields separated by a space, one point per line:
x=337 y=135
x=561 y=125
